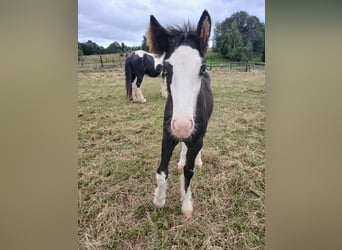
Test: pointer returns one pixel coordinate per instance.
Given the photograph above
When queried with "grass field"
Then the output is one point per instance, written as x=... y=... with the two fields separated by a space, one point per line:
x=119 y=151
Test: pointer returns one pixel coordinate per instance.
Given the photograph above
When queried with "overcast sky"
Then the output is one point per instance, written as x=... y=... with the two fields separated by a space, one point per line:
x=106 y=21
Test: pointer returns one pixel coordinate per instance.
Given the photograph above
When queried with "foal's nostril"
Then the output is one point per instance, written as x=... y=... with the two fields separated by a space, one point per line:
x=173 y=125
x=192 y=124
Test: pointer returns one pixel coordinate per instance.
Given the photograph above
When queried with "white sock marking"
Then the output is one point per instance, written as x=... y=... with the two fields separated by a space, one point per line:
x=186 y=197
x=140 y=96
x=160 y=191
x=134 y=90
x=198 y=160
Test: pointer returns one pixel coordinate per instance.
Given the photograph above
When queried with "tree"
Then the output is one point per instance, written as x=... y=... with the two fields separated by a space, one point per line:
x=251 y=29
x=101 y=50
x=232 y=45
x=80 y=51
x=91 y=48
x=249 y=49
x=144 y=44
x=217 y=37
x=114 y=47
x=123 y=47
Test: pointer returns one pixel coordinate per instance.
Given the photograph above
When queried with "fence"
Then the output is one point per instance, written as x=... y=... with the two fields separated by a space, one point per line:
x=102 y=62
x=98 y=62
x=236 y=66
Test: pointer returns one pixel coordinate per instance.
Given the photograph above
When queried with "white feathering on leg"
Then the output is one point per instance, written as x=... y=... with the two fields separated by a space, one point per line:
x=140 y=95
x=160 y=191
x=185 y=198
x=134 y=92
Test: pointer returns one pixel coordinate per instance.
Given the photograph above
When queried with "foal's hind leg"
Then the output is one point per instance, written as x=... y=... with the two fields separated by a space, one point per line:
x=182 y=158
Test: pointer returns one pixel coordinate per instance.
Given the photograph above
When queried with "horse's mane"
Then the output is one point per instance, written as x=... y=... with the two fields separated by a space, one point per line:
x=187 y=27
x=183 y=33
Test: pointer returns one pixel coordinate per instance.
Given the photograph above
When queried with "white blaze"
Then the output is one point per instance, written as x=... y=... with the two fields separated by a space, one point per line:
x=185 y=85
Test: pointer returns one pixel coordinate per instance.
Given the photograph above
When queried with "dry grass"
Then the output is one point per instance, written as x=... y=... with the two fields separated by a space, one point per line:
x=119 y=151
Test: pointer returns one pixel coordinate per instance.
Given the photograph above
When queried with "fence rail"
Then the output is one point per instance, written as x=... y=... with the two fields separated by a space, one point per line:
x=107 y=62
x=236 y=66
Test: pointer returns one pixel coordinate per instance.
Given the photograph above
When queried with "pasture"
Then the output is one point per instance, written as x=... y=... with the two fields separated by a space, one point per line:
x=119 y=152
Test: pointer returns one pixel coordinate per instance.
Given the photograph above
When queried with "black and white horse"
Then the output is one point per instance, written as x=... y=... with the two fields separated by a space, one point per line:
x=190 y=101
x=137 y=65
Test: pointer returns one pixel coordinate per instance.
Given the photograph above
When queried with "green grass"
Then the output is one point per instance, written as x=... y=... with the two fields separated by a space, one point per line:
x=119 y=151
x=215 y=57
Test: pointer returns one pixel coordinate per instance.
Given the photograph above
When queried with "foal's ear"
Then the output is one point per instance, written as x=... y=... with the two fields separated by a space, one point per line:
x=203 y=31
x=157 y=37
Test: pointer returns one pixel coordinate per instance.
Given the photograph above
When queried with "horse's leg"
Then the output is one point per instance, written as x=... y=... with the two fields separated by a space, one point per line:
x=182 y=158
x=185 y=178
x=134 y=89
x=168 y=144
x=140 y=95
x=198 y=160
x=163 y=88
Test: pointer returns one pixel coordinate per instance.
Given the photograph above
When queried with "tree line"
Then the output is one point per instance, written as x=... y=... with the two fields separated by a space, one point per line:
x=240 y=37
x=91 y=48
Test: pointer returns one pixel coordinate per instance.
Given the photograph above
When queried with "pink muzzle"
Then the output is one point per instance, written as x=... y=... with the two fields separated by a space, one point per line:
x=182 y=127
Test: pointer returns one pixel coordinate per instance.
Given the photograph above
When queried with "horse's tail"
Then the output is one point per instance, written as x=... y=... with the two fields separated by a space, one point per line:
x=128 y=72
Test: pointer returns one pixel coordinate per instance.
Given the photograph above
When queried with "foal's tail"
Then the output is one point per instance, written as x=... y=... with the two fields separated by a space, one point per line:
x=128 y=72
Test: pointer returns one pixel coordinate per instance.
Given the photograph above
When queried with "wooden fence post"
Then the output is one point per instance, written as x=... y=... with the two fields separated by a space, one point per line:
x=101 y=60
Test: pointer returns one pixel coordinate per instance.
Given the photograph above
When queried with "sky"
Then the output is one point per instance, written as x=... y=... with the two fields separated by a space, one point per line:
x=106 y=21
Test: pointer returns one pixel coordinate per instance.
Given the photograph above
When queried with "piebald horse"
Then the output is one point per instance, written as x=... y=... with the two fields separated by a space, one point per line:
x=189 y=104
x=137 y=65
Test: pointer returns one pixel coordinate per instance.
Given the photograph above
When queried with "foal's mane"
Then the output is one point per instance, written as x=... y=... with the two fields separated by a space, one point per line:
x=186 y=28
x=180 y=34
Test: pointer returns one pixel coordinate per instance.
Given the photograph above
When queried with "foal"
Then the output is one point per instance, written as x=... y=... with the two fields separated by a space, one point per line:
x=190 y=101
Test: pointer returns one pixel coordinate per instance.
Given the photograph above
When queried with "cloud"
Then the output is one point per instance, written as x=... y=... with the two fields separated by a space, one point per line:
x=104 y=22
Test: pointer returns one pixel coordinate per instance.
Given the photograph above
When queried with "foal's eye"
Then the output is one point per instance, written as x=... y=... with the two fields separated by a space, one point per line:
x=202 y=70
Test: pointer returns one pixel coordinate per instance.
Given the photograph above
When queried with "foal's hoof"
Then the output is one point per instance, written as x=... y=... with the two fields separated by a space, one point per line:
x=158 y=203
x=199 y=165
x=187 y=214
x=139 y=100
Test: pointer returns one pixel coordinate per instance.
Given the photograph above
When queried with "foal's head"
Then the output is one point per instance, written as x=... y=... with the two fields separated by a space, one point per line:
x=184 y=67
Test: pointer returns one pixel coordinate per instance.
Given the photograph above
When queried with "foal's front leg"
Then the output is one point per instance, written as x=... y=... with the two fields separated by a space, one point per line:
x=185 y=178
x=168 y=144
